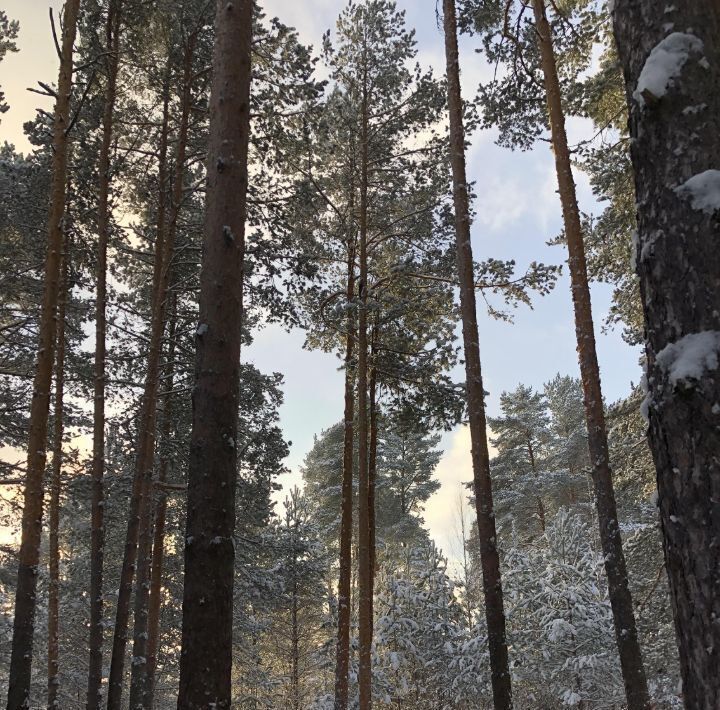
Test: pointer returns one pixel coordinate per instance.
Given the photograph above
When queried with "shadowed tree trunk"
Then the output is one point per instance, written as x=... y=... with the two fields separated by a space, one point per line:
x=675 y=151
x=628 y=645
x=372 y=460
x=29 y=556
x=342 y=665
x=97 y=528
x=206 y=658
x=55 y=487
x=146 y=425
x=482 y=484
x=158 y=549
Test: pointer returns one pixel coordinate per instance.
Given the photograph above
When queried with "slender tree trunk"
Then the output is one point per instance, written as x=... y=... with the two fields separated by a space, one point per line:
x=482 y=484
x=139 y=671
x=295 y=642
x=342 y=665
x=631 y=661
x=675 y=139
x=142 y=474
x=53 y=652
x=158 y=549
x=29 y=557
x=372 y=461
x=97 y=527
x=364 y=557
x=206 y=659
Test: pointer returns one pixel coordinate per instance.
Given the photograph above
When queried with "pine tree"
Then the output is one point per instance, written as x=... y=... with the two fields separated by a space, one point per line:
x=677 y=208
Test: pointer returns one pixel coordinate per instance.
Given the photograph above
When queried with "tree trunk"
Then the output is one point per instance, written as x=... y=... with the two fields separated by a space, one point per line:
x=158 y=549
x=29 y=557
x=97 y=528
x=629 y=651
x=372 y=461
x=55 y=488
x=142 y=473
x=206 y=659
x=490 y=560
x=364 y=574
x=139 y=671
x=342 y=665
x=675 y=138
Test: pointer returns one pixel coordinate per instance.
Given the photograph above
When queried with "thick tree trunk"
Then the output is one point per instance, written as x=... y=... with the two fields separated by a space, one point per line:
x=139 y=671
x=158 y=549
x=97 y=528
x=342 y=664
x=142 y=474
x=53 y=651
x=675 y=140
x=489 y=558
x=629 y=651
x=206 y=659
x=364 y=574
x=29 y=557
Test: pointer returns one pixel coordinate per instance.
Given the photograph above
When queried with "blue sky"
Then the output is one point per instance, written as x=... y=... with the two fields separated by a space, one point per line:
x=517 y=210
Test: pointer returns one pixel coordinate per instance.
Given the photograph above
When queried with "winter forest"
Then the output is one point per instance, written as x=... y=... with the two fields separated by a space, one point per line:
x=360 y=354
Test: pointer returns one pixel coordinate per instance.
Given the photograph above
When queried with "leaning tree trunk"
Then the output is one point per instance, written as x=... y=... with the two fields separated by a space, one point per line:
x=139 y=671
x=53 y=631
x=675 y=150
x=97 y=529
x=29 y=557
x=206 y=658
x=342 y=664
x=482 y=483
x=631 y=662
x=364 y=575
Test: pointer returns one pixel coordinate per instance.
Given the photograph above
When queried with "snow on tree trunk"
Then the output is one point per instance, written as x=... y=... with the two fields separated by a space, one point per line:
x=490 y=561
x=670 y=55
x=206 y=658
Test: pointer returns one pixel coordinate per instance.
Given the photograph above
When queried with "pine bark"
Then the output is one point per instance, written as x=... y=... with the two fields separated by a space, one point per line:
x=29 y=556
x=142 y=474
x=482 y=483
x=372 y=462
x=206 y=658
x=53 y=651
x=631 y=662
x=342 y=663
x=364 y=558
x=97 y=528
x=675 y=137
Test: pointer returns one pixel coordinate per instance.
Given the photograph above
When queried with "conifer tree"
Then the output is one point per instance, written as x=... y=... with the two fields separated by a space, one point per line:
x=670 y=57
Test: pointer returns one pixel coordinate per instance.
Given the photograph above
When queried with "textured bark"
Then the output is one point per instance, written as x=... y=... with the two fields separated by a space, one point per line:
x=482 y=484
x=372 y=462
x=29 y=557
x=342 y=661
x=139 y=672
x=55 y=489
x=631 y=662
x=679 y=267
x=142 y=474
x=206 y=658
x=158 y=547
x=364 y=574
x=97 y=527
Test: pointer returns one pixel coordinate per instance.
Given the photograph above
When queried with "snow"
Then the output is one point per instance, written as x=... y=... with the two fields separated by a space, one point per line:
x=664 y=65
x=703 y=190
x=202 y=329
x=690 y=357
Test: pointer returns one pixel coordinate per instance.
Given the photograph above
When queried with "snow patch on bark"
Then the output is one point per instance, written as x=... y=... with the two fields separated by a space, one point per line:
x=690 y=357
x=703 y=190
x=664 y=65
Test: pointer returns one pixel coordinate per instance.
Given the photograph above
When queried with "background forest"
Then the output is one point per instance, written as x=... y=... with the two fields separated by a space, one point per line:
x=120 y=419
